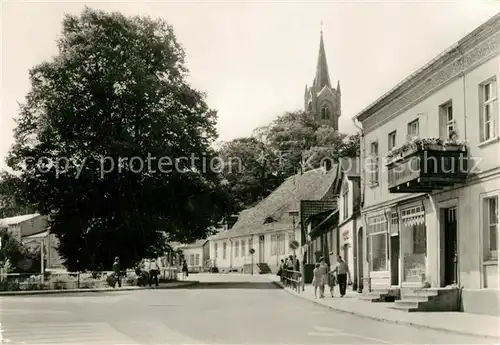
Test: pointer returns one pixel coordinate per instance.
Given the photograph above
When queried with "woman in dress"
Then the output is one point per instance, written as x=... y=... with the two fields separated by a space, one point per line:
x=317 y=280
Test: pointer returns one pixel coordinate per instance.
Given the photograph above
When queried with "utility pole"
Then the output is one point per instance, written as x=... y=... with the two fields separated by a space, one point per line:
x=42 y=259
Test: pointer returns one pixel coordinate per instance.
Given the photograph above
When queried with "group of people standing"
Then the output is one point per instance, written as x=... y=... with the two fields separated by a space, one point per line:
x=323 y=274
x=289 y=270
x=148 y=265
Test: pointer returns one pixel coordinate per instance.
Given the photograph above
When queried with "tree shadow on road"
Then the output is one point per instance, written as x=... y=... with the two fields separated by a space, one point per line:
x=234 y=285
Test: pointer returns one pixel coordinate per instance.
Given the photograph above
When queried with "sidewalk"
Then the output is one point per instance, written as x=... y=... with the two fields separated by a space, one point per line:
x=456 y=322
x=172 y=285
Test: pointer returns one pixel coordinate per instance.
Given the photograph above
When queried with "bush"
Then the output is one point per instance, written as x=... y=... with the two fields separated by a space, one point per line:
x=111 y=280
x=131 y=281
x=60 y=285
x=142 y=278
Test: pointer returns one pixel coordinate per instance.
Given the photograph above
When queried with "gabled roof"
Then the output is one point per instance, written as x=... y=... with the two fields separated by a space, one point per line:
x=4 y=222
x=196 y=244
x=324 y=90
x=312 y=185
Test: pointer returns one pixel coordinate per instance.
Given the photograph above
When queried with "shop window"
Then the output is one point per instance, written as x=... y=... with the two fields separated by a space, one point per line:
x=377 y=229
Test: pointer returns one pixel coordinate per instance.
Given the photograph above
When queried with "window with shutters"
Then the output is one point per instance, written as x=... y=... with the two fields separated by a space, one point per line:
x=282 y=244
x=236 y=249
x=224 y=250
x=197 y=260
x=216 y=250
x=273 y=245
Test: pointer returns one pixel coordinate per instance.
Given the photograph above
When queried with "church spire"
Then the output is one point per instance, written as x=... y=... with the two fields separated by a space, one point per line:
x=322 y=77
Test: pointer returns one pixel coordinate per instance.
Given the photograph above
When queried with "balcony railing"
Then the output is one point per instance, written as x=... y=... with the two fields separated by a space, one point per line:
x=427 y=168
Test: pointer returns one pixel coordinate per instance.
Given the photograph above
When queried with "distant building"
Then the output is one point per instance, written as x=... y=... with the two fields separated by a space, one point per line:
x=271 y=225
x=197 y=255
x=31 y=230
x=321 y=100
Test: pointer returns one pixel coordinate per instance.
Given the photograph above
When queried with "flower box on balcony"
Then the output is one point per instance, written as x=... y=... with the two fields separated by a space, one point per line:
x=430 y=144
x=424 y=165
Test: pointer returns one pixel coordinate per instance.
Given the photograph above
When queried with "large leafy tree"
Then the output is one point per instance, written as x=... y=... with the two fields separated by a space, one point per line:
x=16 y=258
x=293 y=143
x=10 y=203
x=112 y=143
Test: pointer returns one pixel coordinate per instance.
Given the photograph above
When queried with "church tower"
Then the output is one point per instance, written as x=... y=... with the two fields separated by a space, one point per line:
x=321 y=100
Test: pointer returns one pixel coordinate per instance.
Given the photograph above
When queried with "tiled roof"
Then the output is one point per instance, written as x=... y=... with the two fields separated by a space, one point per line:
x=312 y=185
x=17 y=219
x=196 y=244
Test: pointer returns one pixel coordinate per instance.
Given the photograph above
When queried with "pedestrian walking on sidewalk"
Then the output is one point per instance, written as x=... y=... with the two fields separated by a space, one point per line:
x=280 y=271
x=153 y=272
x=117 y=271
x=317 y=280
x=332 y=280
x=323 y=268
x=184 y=269
x=343 y=273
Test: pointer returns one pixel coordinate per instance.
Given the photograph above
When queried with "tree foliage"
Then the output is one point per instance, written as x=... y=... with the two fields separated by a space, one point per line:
x=16 y=257
x=116 y=94
x=292 y=143
x=10 y=203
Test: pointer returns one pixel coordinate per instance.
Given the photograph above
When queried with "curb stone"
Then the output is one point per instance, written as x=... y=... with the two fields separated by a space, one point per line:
x=399 y=322
x=177 y=285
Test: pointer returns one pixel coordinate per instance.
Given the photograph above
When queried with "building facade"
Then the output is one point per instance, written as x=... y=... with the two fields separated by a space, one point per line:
x=31 y=231
x=431 y=174
x=196 y=254
x=321 y=100
x=350 y=226
x=270 y=226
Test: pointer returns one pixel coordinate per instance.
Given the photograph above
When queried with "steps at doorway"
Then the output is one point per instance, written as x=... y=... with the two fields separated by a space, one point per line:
x=256 y=269
x=379 y=296
x=264 y=268
x=428 y=300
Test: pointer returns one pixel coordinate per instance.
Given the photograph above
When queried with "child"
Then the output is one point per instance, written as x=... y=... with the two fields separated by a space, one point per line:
x=317 y=279
x=331 y=281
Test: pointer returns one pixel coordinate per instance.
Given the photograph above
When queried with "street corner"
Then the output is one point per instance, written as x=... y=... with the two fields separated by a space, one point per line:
x=68 y=291
x=179 y=285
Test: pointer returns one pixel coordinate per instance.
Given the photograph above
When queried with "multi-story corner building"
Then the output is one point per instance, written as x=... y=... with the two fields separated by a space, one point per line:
x=431 y=176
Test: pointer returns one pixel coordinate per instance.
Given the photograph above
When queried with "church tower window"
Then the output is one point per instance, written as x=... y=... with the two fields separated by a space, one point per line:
x=325 y=113
x=310 y=107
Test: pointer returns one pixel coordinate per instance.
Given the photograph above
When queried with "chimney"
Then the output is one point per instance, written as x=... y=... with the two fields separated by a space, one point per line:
x=327 y=164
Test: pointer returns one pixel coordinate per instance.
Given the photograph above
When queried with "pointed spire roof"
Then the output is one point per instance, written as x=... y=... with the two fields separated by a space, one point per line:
x=322 y=77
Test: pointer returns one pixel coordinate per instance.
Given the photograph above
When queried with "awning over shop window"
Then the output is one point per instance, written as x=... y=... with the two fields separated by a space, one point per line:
x=413 y=216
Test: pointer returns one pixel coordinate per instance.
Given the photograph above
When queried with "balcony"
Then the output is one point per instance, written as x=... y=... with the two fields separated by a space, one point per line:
x=427 y=165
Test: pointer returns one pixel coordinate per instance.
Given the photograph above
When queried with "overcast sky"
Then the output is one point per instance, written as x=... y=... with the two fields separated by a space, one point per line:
x=254 y=59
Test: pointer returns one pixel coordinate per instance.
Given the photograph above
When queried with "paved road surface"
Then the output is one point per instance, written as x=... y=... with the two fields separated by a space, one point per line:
x=230 y=309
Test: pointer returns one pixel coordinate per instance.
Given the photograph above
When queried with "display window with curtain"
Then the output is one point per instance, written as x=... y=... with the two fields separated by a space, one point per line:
x=413 y=244
x=377 y=235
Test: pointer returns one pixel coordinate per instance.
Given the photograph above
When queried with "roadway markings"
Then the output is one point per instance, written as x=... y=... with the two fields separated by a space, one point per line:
x=333 y=332
x=63 y=333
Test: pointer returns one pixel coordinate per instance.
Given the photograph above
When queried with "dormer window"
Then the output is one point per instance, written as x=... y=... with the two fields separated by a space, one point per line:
x=325 y=113
x=269 y=220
